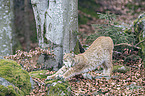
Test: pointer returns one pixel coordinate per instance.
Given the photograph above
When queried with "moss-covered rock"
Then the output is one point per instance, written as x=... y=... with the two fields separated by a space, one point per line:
x=58 y=88
x=120 y=68
x=55 y=87
x=41 y=74
x=10 y=91
x=13 y=73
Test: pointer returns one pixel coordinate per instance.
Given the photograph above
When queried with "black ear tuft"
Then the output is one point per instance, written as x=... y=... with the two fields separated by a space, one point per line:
x=73 y=54
x=64 y=53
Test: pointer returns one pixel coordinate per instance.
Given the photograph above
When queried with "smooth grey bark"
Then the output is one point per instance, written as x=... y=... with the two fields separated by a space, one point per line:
x=56 y=23
x=6 y=27
x=40 y=7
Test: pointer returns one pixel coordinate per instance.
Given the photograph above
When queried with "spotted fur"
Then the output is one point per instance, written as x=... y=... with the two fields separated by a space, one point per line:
x=99 y=53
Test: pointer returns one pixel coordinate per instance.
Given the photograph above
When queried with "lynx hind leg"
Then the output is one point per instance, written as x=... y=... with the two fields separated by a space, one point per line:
x=59 y=73
x=104 y=68
x=107 y=68
x=75 y=70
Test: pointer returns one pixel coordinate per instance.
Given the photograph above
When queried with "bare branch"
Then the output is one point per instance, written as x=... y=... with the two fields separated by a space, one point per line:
x=140 y=42
x=126 y=44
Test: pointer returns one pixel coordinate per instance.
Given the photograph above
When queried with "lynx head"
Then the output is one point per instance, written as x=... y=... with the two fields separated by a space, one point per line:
x=68 y=59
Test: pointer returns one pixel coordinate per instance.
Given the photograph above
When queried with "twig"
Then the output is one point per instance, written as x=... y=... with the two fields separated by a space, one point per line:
x=140 y=42
x=38 y=83
x=127 y=45
x=117 y=52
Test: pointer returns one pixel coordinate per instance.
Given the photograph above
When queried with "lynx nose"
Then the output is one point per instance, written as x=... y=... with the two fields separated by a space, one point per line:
x=64 y=60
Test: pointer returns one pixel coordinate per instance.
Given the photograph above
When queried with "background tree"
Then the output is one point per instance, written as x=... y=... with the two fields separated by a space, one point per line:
x=26 y=34
x=27 y=24
x=6 y=26
x=57 y=25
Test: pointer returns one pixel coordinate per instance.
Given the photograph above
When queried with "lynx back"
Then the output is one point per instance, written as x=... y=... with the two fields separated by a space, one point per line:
x=98 y=54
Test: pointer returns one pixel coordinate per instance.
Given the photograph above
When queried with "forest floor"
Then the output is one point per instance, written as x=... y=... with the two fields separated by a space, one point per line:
x=131 y=83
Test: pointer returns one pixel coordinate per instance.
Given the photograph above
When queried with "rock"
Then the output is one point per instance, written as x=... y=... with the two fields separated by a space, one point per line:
x=1 y=57
x=32 y=83
x=5 y=83
x=55 y=87
x=120 y=68
x=44 y=61
x=14 y=80
x=10 y=91
x=58 y=88
x=41 y=74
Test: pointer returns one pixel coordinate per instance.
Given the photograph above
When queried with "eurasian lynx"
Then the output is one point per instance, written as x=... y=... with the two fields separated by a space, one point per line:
x=99 y=53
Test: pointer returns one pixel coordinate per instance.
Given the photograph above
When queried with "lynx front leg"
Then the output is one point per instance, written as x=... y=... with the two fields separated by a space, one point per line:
x=104 y=68
x=107 y=68
x=109 y=71
x=69 y=73
x=58 y=73
x=75 y=70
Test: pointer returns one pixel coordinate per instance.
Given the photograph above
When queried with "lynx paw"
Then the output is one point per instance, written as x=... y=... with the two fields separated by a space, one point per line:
x=49 y=78
x=105 y=74
x=60 y=77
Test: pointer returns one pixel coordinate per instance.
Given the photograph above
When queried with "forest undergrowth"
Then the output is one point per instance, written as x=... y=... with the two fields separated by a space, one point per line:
x=128 y=83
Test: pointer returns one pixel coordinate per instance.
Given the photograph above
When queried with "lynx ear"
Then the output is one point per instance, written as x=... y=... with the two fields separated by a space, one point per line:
x=73 y=54
x=64 y=53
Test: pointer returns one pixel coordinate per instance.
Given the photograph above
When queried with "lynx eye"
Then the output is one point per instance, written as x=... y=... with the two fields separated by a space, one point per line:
x=64 y=60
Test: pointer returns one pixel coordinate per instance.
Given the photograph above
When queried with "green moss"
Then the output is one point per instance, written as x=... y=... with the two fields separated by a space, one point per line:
x=17 y=46
x=82 y=19
x=7 y=91
x=10 y=91
x=132 y=58
x=76 y=49
x=12 y=72
x=41 y=74
x=89 y=7
x=51 y=81
x=129 y=31
x=120 y=68
x=58 y=88
x=89 y=11
x=132 y=6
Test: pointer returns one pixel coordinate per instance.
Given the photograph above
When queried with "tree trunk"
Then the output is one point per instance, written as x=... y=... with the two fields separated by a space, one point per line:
x=57 y=26
x=6 y=27
x=27 y=25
